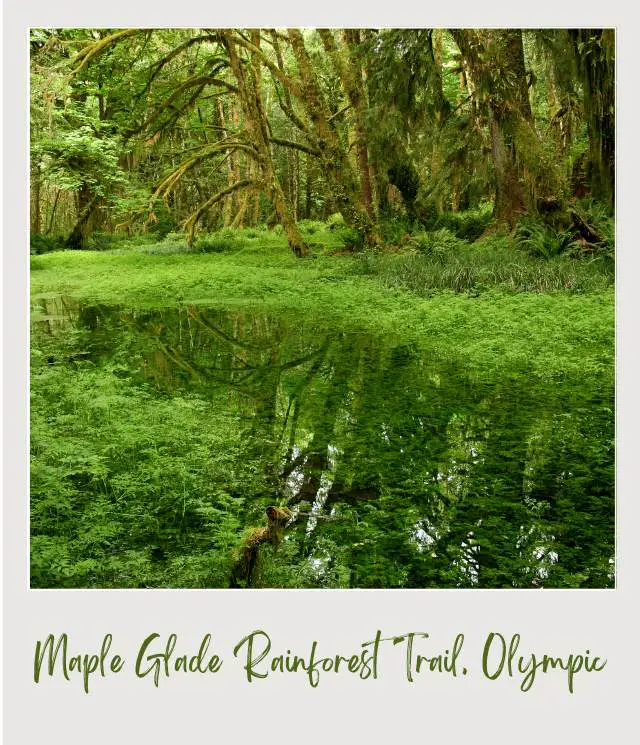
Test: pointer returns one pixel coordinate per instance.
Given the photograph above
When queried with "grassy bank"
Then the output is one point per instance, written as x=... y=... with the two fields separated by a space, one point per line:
x=568 y=328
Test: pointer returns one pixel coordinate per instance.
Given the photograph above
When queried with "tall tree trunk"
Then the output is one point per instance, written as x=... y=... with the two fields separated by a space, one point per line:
x=307 y=186
x=295 y=182
x=241 y=210
x=496 y=62
x=356 y=91
x=509 y=195
x=255 y=195
x=53 y=211
x=250 y=95
x=595 y=54
x=227 y=209
x=86 y=206
x=347 y=63
x=345 y=183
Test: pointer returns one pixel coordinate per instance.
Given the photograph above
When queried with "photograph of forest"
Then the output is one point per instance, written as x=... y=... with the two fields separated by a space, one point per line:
x=322 y=308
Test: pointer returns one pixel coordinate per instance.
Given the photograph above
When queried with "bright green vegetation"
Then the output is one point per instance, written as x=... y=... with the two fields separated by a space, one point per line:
x=322 y=308
x=488 y=324
x=458 y=440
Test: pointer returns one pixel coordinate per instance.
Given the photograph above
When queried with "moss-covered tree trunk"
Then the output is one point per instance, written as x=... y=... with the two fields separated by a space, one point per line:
x=248 y=75
x=36 y=183
x=308 y=183
x=495 y=60
x=344 y=179
x=595 y=53
x=352 y=74
x=87 y=203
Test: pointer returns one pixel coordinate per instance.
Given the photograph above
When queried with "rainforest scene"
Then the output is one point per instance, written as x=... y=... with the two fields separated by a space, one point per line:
x=322 y=308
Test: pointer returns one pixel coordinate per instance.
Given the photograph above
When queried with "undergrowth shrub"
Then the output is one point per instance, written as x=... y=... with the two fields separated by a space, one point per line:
x=225 y=239
x=42 y=244
x=312 y=226
x=544 y=241
x=101 y=241
x=427 y=211
x=395 y=231
x=438 y=243
x=468 y=224
x=335 y=221
x=352 y=239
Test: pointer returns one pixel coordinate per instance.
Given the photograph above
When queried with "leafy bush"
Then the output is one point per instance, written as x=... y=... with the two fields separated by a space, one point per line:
x=104 y=241
x=225 y=239
x=176 y=237
x=312 y=226
x=351 y=238
x=164 y=222
x=100 y=241
x=427 y=211
x=395 y=230
x=251 y=233
x=335 y=221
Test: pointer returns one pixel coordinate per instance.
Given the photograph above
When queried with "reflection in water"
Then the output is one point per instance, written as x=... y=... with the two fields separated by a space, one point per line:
x=401 y=468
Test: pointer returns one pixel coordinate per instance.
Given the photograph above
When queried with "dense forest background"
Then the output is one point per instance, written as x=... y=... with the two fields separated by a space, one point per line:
x=158 y=131
x=322 y=308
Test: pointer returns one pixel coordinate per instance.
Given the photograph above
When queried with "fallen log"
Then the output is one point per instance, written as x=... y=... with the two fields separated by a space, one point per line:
x=586 y=231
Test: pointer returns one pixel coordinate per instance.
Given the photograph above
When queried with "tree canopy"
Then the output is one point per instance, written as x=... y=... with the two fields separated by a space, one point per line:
x=193 y=129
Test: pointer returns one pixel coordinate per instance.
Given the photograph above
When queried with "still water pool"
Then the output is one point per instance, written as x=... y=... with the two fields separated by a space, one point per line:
x=160 y=437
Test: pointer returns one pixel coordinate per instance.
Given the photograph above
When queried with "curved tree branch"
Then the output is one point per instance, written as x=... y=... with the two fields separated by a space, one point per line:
x=190 y=223
x=88 y=53
x=294 y=145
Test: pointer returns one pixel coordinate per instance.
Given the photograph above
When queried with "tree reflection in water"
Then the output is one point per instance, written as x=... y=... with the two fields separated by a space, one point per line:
x=402 y=466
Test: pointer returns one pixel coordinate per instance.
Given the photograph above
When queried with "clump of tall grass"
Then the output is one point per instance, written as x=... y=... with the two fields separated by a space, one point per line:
x=209 y=244
x=492 y=263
